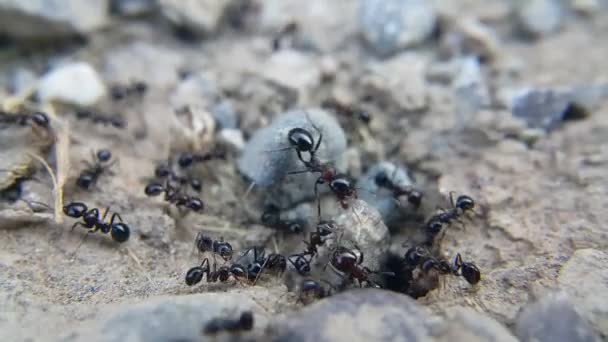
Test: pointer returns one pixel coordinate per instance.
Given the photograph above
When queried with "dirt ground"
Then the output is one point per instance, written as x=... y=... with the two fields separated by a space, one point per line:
x=537 y=203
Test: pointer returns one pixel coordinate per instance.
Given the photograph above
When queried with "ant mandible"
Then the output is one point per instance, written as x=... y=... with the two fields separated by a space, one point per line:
x=88 y=177
x=119 y=231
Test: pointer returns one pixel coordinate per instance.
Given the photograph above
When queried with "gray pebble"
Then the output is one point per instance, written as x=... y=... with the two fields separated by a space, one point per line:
x=466 y=324
x=201 y=16
x=539 y=17
x=392 y=25
x=47 y=19
x=225 y=115
x=268 y=157
x=392 y=210
x=356 y=315
x=553 y=319
x=169 y=319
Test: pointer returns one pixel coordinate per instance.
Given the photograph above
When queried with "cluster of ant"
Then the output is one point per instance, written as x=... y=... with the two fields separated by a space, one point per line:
x=169 y=179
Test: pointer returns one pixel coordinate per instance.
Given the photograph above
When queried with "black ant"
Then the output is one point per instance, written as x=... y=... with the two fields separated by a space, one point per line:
x=348 y=262
x=195 y=274
x=468 y=270
x=420 y=256
x=187 y=159
x=312 y=289
x=271 y=217
x=207 y=244
x=317 y=238
x=174 y=196
x=38 y=118
x=459 y=208
x=349 y=111
x=119 y=92
x=414 y=197
x=301 y=262
x=119 y=231
x=115 y=121
x=89 y=176
x=217 y=325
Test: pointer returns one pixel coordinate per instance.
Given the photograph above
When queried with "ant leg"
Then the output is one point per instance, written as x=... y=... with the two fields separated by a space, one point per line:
x=297 y=172
x=105 y=213
x=78 y=224
x=81 y=242
x=114 y=216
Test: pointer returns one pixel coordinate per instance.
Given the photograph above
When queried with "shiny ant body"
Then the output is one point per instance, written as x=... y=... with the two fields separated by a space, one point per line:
x=174 y=196
x=38 y=118
x=119 y=231
x=348 y=262
x=217 y=325
x=207 y=244
x=195 y=274
x=414 y=197
x=460 y=207
x=89 y=176
x=187 y=159
x=420 y=256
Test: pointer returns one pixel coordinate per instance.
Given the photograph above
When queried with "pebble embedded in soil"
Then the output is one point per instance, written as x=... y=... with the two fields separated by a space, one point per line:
x=51 y=19
x=76 y=83
x=539 y=17
x=389 y=26
x=553 y=319
x=198 y=16
x=585 y=278
x=466 y=324
x=268 y=157
x=357 y=315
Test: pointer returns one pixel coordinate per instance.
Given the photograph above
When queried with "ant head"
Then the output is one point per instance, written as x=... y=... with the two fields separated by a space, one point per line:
x=41 y=119
x=344 y=259
x=434 y=226
x=120 y=232
x=224 y=249
x=154 y=189
x=85 y=180
x=203 y=242
x=238 y=271
x=295 y=226
x=465 y=203
x=118 y=92
x=196 y=184
x=382 y=179
x=140 y=87
x=91 y=217
x=104 y=155
x=117 y=122
x=185 y=160
x=194 y=275
x=195 y=204
x=301 y=139
x=75 y=209
x=470 y=272
x=254 y=269
x=162 y=171
x=415 y=255
x=277 y=261
x=341 y=185
x=246 y=320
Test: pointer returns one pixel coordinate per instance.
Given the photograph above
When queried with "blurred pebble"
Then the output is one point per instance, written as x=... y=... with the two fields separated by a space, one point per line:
x=77 y=83
x=356 y=315
x=49 y=19
x=381 y=198
x=389 y=26
x=233 y=138
x=268 y=157
x=553 y=319
x=586 y=7
x=225 y=114
x=466 y=324
x=539 y=18
x=198 y=16
x=585 y=278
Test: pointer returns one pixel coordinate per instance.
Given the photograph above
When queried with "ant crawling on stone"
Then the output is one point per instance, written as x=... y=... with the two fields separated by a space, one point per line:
x=348 y=262
x=173 y=195
x=271 y=217
x=207 y=244
x=38 y=118
x=460 y=207
x=217 y=325
x=119 y=231
x=88 y=177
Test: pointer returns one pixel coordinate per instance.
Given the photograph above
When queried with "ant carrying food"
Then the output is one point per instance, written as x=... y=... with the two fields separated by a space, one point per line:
x=217 y=325
x=207 y=244
x=271 y=217
x=119 y=231
x=38 y=118
x=174 y=196
x=88 y=177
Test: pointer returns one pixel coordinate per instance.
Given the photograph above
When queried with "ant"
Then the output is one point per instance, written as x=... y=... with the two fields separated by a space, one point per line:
x=301 y=262
x=119 y=231
x=349 y=111
x=173 y=195
x=187 y=159
x=89 y=176
x=271 y=217
x=318 y=237
x=460 y=207
x=468 y=270
x=116 y=121
x=14 y=193
x=119 y=92
x=38 y=118
x=414 y=197
x=419 y=255
x=207 y=244
x=312 y=289
x=195 y=274
x=243 y=323
x=348 y=261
